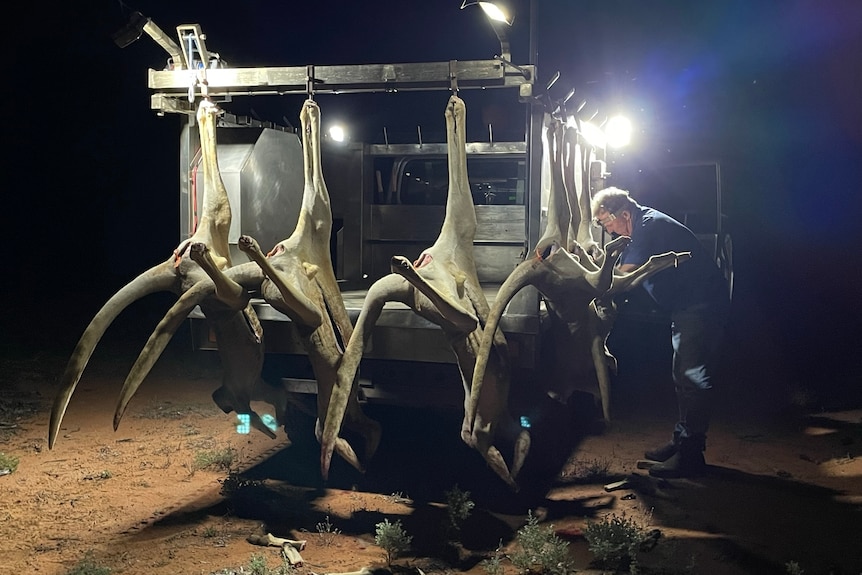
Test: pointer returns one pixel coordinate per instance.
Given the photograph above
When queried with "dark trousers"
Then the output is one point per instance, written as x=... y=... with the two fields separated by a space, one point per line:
x=696 y=335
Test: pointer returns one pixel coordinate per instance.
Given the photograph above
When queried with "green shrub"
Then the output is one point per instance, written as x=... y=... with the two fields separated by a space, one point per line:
x=8 y=463
x=540 y=550
x=392 y=538
x=459 y=506
x=615 y=542
x=257 y=565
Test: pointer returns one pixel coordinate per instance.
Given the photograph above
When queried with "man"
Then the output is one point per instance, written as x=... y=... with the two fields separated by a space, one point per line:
x=695 y=295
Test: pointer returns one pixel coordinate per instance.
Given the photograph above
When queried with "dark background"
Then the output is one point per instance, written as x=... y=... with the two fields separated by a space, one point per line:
x=771 y=89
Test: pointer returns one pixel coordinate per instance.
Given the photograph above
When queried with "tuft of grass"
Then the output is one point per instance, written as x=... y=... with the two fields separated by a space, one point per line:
x=493 y=565
x=218 y=459
x=8 y=464
x=540 y=550
x=589 y=471
x=88 y=566
x=392 y=538
x=398 y=497
x=326 y=532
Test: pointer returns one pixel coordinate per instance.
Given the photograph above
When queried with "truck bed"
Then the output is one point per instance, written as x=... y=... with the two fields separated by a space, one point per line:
x=399 y=334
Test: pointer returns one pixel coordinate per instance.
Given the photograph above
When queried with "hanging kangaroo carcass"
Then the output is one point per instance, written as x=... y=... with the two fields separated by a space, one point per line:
x=300 y=282
x=442 y=286
x=573 y=283
x=236 y=326
x=296 y=278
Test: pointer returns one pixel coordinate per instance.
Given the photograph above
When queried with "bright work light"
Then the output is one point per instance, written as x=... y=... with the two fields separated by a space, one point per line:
x=337 y=133
x=494 y=10
x=618 y=131
x=500 y=19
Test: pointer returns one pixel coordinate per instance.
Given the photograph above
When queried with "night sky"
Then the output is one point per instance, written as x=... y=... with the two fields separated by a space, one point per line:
x=771 y=89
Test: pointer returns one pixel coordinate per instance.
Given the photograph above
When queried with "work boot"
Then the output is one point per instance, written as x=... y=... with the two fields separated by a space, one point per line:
x=663 y=453
x=684 y=463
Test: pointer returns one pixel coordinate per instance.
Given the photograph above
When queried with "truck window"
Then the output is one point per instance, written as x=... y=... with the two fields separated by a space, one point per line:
x=425 y=180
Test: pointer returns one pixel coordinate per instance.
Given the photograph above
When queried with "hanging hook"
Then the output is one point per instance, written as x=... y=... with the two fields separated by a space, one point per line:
x=309 y=81
x=453 y=76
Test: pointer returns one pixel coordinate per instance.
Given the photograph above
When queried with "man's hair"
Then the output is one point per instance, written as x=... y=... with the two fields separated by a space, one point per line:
x=613 y=200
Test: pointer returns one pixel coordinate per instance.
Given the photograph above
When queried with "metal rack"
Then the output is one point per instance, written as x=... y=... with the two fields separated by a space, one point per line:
x=194 y=72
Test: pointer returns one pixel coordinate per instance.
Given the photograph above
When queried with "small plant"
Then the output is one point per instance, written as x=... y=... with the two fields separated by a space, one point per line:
x=459 y=506
x=326 y=532
x=210 y=532
x=87 y=566
x=615 y=541
x=8 y=464
x=104 y=474
x=189 y=429
x=257 y=565
x=286 y=568
x=793 y=568
x=219 y=459
x=540 y=550
x=392 y=538
x=398 y=497
x=590 y=471
x=234 y=483
x=493 y=564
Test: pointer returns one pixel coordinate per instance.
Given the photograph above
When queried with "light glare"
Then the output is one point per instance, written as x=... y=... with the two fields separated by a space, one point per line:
x=494 y=12
x=618 y=132
x=594 y=135
x=337 y=133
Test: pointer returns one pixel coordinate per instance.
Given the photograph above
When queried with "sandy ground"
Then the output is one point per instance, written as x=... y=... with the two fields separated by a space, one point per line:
x=780 y=490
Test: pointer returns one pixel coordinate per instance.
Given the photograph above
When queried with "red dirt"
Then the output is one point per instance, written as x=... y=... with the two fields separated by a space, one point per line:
x=777 y=491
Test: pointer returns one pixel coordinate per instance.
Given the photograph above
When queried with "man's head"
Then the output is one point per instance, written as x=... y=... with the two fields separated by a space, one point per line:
x=612 y=209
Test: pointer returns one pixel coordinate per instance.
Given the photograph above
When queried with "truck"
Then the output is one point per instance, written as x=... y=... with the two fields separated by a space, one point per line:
x=387 y=199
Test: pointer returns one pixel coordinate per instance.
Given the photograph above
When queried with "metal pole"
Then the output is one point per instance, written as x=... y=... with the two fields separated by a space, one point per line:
x=526 y=302
x=534 y=143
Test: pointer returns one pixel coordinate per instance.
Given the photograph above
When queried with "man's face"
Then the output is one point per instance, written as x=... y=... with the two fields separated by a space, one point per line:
x=610 y=222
